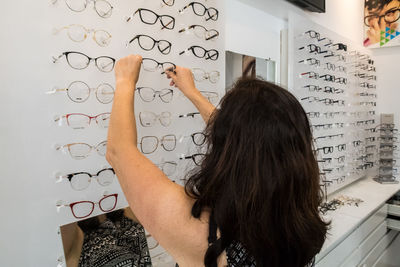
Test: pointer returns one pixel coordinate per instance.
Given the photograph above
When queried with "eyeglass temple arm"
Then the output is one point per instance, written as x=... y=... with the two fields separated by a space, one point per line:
x=165 y=48
x=189 y=114
x=55 y=59
x=56 y=31
x=133 y=39
x=131 y=17
x=208 y=55
x=113 y=62
x=212 y=36
x=184 y=29
x=209 y=16
x=165 y=26
x=181 y=10
x=56 y=90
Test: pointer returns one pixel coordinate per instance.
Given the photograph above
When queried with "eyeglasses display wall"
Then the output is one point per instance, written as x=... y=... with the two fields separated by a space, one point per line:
x=335 y=81
x=87 y=38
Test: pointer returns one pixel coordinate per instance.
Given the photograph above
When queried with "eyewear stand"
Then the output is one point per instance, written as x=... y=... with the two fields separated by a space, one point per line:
x=386 y=173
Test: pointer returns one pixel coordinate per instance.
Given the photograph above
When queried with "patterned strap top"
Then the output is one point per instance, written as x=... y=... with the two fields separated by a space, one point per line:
x=236 y=254
x=115 y=244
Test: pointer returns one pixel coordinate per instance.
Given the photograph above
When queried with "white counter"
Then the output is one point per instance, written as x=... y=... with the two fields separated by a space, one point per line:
x=347 y=218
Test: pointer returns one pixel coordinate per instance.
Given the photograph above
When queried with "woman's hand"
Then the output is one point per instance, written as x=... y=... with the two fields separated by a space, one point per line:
x=182 y=78
x=127 y=69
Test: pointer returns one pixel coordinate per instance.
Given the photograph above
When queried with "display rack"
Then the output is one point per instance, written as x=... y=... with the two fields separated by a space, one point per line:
x=335 y=81
x=387 y=144
x=86 y=40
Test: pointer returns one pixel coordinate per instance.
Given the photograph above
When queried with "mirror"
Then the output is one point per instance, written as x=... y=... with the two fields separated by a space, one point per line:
x=112 y=239
x=238 y=65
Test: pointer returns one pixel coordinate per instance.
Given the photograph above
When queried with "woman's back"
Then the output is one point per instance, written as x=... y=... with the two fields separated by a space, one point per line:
x=259 y=178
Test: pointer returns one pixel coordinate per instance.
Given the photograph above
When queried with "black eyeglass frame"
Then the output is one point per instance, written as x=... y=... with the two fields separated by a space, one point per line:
x=89 y=59
x=379 y=17
x=206 y=53
x=155 y=42
x=206 y=10
x=158 y=17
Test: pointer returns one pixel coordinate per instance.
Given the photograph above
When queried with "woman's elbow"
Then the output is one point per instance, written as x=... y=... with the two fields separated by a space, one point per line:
x=115 y=153
x=110 y=152
x=110 y=155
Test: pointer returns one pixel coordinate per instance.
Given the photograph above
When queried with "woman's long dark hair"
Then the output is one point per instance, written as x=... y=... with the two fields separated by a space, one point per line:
x=260 y=177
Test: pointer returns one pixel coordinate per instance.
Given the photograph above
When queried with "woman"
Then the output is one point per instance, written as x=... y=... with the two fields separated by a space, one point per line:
x=112 y=239
x=253 y=202
x=379 y=16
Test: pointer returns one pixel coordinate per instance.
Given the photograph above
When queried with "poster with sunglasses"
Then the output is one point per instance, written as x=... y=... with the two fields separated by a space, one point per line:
x=381 y=23
x=85 y=40
x=335 y=82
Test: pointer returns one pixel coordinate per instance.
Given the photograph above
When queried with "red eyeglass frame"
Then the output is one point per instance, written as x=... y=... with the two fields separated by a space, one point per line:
x=71 y=205
x=85 y=115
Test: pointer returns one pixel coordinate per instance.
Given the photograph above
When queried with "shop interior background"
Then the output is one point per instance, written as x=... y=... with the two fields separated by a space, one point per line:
x=27 y=228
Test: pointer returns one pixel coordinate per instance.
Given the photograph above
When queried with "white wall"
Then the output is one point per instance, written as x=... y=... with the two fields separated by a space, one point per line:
x=388 y=72
x=252 y=32
x=342 y=16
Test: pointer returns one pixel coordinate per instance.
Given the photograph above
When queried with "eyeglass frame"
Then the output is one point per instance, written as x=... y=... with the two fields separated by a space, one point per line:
x=89 y=88
x=206 y=52
x=71 y=175
x=155 y=42
x=139 y=10
x=82 y=157
x=192 y=157
x=379 y=17
x=159 y=64
x=71 y=205
x=87 y=31
x=67 y=53
x=66 y=116
x=155 y=93
x=157 y=117
x=206 y=75
x=206 y=10
x=87 y=1
x=157 y=143
x=192 y=27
